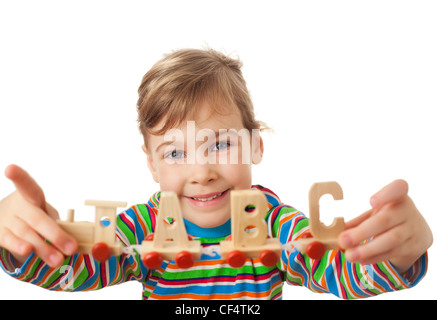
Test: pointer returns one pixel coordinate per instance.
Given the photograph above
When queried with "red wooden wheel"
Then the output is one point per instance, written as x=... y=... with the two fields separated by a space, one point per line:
x=152 y=260
x=184 y=259
x=307 y=235
x=149 y=237
x=315 y=250
x=101 y=252
x=268 y=258
x=236 y=259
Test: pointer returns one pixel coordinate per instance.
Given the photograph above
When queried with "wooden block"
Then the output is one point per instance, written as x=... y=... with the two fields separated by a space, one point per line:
x=82 y=231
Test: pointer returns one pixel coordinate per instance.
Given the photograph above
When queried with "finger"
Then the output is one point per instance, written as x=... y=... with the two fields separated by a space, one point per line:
x=358 y=220
x=373 y=226
x=45 y=226
x=385 y=256
x=26 y=186
x=52 y=212
x=45 y=251
x=380 y=248
x=12 y=243
x=392 y=193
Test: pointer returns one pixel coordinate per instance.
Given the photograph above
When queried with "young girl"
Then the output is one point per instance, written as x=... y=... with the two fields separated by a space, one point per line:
x=192 y=106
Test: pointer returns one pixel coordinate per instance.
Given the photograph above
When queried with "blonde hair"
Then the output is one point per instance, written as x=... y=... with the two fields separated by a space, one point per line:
x=176 y=85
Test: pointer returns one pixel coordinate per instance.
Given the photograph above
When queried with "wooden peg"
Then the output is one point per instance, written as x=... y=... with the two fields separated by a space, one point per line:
x=70 y=215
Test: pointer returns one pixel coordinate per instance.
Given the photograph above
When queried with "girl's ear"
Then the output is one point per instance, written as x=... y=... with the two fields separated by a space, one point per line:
x=150 y=164
x=257 y=148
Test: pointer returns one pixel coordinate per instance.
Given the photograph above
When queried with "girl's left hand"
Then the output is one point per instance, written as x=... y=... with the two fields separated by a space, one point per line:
x=399 y=232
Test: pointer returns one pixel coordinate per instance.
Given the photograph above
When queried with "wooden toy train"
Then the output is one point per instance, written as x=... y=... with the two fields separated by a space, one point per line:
x=171 y=241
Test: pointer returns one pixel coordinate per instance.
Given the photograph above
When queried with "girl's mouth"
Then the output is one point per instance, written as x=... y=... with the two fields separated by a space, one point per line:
x=206 y=200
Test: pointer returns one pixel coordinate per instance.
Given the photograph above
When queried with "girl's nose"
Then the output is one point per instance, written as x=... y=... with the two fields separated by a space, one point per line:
x=203 y=174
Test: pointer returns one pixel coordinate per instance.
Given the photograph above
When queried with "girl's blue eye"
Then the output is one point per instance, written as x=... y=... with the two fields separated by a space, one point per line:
x=175 y=154
x=221 y=146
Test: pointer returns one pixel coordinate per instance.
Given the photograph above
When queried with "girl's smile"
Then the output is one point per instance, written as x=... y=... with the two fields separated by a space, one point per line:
x=208 y=200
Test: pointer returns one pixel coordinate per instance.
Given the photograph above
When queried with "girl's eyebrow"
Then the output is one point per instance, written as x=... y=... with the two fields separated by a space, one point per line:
x=225 y=132
x=165 y=143
x=174 y=143
x=217 y=133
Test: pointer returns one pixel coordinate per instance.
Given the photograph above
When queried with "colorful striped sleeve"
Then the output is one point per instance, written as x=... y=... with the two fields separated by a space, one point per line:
x=211 y=277
x=81 y=272
x=333 y=273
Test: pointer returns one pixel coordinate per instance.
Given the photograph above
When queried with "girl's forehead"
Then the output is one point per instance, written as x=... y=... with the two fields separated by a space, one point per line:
x=206 y=123
x=223 y=118
x=210 y=116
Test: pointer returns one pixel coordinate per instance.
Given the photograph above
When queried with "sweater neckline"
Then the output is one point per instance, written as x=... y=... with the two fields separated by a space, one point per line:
x=215 y=232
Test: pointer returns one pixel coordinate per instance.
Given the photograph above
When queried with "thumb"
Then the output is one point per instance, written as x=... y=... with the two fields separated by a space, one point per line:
x=391 y=193
x=26 y=186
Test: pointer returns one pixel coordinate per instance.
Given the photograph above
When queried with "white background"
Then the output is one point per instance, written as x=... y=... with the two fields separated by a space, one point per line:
x=348 y=86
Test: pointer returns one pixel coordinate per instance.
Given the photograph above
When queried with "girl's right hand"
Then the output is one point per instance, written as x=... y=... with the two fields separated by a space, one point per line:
x=27 y=221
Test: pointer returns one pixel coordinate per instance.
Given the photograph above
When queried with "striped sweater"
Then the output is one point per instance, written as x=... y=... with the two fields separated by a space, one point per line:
x=211 y=277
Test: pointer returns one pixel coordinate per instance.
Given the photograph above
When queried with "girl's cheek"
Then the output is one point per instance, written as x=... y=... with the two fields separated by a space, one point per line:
x=239 y=175
x=169 y=177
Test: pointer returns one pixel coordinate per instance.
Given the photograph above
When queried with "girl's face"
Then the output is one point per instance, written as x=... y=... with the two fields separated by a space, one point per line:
x=202 y=161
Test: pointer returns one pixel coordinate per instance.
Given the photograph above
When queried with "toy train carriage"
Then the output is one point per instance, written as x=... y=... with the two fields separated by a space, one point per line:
x=321 y=238
x=249 y=231
x=170 y=240
x=96 y=238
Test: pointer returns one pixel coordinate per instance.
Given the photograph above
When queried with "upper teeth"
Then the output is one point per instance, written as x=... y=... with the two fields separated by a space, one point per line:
x=210 y=198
